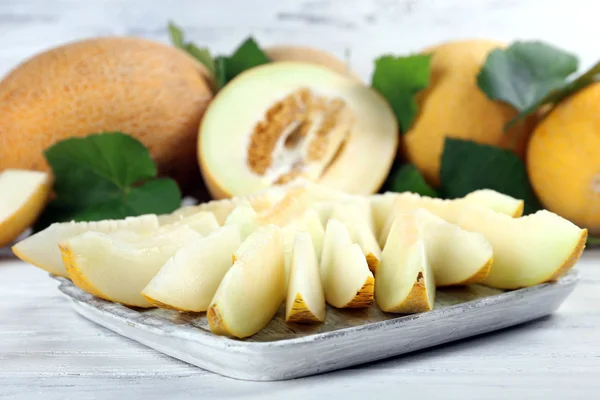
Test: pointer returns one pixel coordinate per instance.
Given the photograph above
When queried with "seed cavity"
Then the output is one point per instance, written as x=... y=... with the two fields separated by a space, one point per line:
x=299 y=136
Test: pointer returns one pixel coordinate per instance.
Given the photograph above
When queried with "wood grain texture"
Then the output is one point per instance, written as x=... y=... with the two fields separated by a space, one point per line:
x=49 y=352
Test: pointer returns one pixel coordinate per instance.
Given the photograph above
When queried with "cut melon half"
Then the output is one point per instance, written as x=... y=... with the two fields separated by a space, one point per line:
x=305 y=298
x=457 y=256
x=23 y=195
x=405 y=282
x=347 y=280
x=41 y=249
x=189 y=279
x=534 y=249
x=116 y=269
x=253 y=289
x=295 y=119
x=450 y=209
x=360 y=232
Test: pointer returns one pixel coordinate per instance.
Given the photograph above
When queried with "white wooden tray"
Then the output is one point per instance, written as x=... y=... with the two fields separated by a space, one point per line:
x=348 y=337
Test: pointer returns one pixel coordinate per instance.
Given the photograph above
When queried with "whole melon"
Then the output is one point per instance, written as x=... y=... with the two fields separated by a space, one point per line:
x=563 y=159
x=151 y=91
x=454 y=106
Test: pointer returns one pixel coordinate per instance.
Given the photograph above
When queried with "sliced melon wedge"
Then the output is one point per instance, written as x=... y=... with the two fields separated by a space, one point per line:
x=23 y=195
x=450 y=209
x=537 y=248
x=296 y=119
x=41 y=249
x=253 y=289
x=457 y=256
x=347 y=280
x=189 y=279
x=305 y=298
x=405 y=282
x=245 y=218
x=498 y=202
x=116 y=269
x=203 y=222
x=360 y=231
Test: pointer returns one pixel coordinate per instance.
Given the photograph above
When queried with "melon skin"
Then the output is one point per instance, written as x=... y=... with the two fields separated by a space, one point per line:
x=563 y=159
x=154 y=92
x=454 y=106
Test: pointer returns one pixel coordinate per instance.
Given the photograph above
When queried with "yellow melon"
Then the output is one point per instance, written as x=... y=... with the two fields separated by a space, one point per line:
x=154 y=92
x=563 y=159
x=454 y=106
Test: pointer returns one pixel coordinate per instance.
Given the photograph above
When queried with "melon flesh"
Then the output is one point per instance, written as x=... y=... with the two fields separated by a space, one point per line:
x=405 y=280
x=189 y=279
x=23 y=195
x=534 y=249
x=347 y=280
x=457 y=256
x=449 y=209
x=360 y=232
x=116 y=269
x=41 y=249
x=295 y=119
x=244 y=218
x=253 y=289
x=305 y=298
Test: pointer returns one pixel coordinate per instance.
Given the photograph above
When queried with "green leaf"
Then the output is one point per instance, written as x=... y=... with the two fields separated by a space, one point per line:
x=593 y=241
x=247 y=56
x=557 y=95
x=221 y=71
x=522 y=74
x=468 y=166
x=399 y=79
x=407 y=178
x=107 y=175
x=176 y=35
x=200 y=54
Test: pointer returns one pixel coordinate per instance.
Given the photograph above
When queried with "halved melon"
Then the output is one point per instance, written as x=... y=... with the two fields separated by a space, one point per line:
x=448 y=209
x=360 y=232
x=253 y=289
x=41 y=249
x=347 y=280
x=305 y=298
x=23 y=195
x=405 y=281
x=457 y=256
x=296 y=119
x=189 y=279
x=116 y=269
x=537 y=248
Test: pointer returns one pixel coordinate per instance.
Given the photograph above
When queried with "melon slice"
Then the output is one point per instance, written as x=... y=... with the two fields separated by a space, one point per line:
x=23 y=195
x=449 y=209
x=296 y=119
x=189 y=279
x=253 y=289
x=534 y=249
x=202 y=222
x=457 y=256
x=41 y=249
x=116 y=269
x=360 y=231
x=308 y=222
x=305 y=298
x=405 y=282
x=347 y=280
x=381 y=208
x=498 y=202
x=245 y=218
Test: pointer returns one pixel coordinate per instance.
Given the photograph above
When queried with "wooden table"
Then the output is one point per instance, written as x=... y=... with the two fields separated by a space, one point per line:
x=47 y=351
